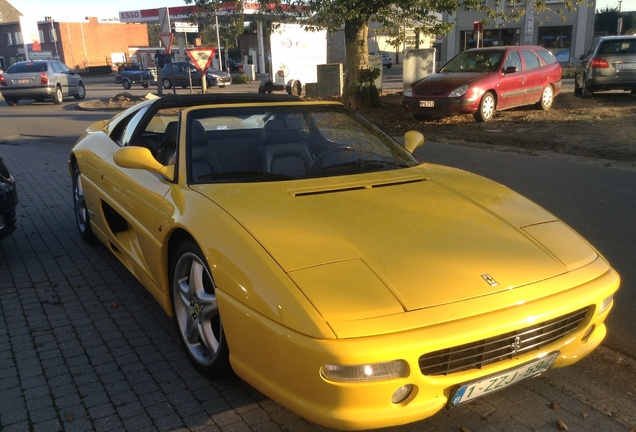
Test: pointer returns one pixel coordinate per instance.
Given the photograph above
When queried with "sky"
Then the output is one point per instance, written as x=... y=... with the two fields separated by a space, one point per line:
x=111 y=8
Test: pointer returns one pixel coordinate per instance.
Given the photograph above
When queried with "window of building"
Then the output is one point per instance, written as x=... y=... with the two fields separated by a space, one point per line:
x=558 y=40
x=17 y=38
x=52 y=35
x=41 y=35
x=495 y=37
x=9 y=39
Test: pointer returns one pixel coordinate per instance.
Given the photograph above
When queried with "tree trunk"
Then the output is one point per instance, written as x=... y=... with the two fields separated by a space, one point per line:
x=357 y=93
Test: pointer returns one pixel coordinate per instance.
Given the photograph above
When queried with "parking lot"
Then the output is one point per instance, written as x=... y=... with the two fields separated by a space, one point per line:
x=83 y=347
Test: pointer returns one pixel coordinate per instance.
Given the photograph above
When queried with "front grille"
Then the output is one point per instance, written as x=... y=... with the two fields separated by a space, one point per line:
x=478 y=354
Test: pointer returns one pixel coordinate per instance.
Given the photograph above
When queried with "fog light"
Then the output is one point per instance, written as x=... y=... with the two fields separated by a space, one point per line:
x=588 y=333
x=605 y=304
x=402 y=393
x=367 y=372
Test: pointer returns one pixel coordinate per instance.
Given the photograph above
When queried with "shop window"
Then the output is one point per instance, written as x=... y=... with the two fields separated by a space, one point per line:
x=558 y=40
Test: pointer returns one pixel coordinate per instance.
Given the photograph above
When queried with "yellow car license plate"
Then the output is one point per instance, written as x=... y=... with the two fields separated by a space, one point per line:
x=489 y=384
x=427 y=104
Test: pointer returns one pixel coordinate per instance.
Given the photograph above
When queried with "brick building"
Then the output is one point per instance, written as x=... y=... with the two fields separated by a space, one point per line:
x=81 y=44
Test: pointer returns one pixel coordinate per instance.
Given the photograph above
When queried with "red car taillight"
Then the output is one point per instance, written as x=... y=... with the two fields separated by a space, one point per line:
x=44 y=78
x=599 y=63
x=2 y=81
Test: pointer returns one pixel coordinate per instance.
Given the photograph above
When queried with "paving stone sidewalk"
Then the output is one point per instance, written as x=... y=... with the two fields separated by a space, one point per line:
x=83 y=347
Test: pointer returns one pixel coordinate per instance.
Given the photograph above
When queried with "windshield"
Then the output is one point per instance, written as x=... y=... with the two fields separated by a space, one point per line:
x=286 y=142
x=474 y=61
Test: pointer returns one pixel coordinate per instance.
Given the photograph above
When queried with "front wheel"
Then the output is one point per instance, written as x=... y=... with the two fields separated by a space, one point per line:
x=547 y=98
x=487 y=108
x=58 y=96
x=81 y=92
x=196 y=311
x=81 y=211
x=145 y=84
x=166 y=83
x=126 y=84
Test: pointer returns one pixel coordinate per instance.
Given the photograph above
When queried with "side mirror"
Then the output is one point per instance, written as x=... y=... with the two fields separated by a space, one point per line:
x=510 y=69
x=413 y=140
x=141 y=158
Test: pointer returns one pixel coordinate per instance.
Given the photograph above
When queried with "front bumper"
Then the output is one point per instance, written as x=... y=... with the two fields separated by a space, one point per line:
x=442 y=106
x=285 y=365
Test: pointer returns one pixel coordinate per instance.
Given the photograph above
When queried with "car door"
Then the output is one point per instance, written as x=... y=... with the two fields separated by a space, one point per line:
x=535 y=76
x=72 y=79
x=132 y=198
x=511 y=83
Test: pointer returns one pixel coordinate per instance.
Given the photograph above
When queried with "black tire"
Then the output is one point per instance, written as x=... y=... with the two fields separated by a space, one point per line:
x=196 y=311
x=586 y=91
x=81 y=92
x=58 y=96
x=82 y=216
x=577 y=88
x=547 y=98
x=145 y=84
x=126 y=83
x=11 y=101
x=296 y=88
x=166 y=83
x=487 y=108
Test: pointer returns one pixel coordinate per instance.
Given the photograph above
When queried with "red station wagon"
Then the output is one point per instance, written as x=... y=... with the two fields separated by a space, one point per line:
x=482 y=81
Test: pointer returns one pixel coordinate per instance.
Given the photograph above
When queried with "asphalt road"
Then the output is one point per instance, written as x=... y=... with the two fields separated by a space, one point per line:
x=83 y=347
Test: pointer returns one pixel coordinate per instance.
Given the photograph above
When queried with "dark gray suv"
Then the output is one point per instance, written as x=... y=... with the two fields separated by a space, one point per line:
x=40 y=80
x=609 y=63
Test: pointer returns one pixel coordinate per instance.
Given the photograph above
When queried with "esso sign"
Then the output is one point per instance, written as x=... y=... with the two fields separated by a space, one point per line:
x=129 y=15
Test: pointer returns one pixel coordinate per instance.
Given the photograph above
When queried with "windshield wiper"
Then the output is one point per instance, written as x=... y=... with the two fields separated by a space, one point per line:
x=360 y=165
x=244 y=175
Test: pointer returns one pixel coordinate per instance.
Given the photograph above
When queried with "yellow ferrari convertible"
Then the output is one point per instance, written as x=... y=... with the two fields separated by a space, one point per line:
x=302 y=248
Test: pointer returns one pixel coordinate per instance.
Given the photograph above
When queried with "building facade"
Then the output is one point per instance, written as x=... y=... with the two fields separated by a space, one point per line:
x=565 y=34
x=81 y=44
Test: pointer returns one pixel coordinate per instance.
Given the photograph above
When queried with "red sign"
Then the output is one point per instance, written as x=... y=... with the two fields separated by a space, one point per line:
x=201 y=57
x=166 y=38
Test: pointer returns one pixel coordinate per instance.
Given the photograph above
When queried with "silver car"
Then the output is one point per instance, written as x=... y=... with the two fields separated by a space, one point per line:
x=609 y=63
x=40 y=80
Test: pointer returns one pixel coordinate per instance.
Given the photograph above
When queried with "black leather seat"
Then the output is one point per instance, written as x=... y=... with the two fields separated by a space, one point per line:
x=204 y=159
x=283 y=150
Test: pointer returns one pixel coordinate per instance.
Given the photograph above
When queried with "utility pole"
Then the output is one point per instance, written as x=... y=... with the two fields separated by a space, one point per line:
x=619 y=21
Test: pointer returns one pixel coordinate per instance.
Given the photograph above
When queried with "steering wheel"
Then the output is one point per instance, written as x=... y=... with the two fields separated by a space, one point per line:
x=317 y=163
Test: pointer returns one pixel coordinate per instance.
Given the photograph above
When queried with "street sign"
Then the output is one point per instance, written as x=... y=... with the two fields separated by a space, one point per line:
x=184 y=27
x=201 y=57
x=166 y=38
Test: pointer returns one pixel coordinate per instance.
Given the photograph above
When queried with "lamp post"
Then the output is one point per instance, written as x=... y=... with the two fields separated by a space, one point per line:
x=53 y=36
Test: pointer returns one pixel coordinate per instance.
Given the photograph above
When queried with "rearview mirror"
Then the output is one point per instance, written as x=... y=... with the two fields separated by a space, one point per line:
x=510 y=69
x=413 y=140
x=141 y=158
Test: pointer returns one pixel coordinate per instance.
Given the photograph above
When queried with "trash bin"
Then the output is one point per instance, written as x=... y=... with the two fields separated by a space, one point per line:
x=240 y=68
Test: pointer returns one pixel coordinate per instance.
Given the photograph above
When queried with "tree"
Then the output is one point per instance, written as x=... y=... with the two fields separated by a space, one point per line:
x=423 y=16
x=606 y=21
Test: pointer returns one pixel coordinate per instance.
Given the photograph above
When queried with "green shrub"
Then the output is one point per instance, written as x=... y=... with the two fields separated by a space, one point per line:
x=240 y=79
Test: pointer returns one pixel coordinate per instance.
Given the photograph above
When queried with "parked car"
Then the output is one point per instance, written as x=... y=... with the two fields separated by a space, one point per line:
x=609 y=63
x=482 y=81
x=40 y=80
x=135 y=73
x=387 y=62
x=183 y=72
x=298 y=244
x=8 y=201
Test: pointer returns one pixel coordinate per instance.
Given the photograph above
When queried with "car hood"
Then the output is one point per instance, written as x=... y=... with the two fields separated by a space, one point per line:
x=401 y=240
x=444 y=82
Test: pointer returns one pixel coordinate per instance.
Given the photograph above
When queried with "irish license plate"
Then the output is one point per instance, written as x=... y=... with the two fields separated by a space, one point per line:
x=24 y=81
x=496 y=382
x=427 y=104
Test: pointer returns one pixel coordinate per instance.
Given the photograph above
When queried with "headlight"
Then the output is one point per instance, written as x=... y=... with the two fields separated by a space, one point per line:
x=459 y=91
x=408 y=91
x=368 y=372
